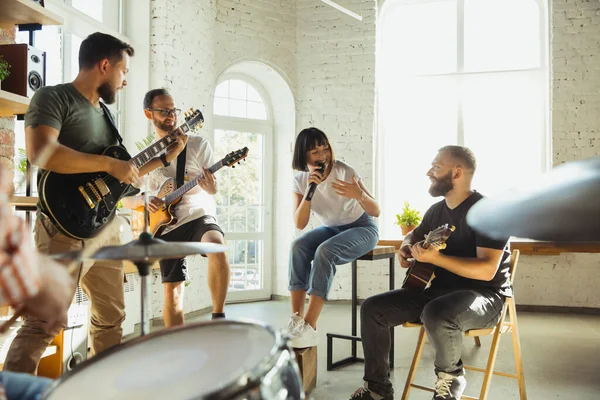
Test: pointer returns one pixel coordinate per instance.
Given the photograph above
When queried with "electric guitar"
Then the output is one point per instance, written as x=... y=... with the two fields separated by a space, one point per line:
x=420 y=274
x=80 y=205
x=159 y=220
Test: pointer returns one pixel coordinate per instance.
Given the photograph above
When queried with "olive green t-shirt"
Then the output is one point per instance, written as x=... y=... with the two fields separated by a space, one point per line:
x=82 y=126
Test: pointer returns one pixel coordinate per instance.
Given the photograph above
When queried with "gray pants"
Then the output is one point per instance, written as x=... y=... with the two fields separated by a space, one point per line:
x=445 y=314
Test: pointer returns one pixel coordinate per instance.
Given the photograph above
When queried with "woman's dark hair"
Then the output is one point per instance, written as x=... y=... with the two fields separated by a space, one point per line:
x=307 y=140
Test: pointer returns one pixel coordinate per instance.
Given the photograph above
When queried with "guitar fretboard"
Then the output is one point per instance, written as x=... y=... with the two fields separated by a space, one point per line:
x=183 y=189
x=156 y=148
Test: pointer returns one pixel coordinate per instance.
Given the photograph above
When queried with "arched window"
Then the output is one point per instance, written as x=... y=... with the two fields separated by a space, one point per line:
x=242 y=120
x=467 y=72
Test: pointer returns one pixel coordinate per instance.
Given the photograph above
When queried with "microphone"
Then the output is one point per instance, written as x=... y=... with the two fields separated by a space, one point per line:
x=313 y=186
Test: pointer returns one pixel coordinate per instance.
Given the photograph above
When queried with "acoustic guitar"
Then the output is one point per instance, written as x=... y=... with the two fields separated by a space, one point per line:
x=420 y=274
x=159 y=220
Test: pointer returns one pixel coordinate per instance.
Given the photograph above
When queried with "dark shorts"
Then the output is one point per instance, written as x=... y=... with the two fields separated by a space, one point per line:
x=175 y=270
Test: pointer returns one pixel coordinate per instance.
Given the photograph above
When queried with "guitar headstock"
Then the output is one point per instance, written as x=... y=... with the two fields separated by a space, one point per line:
x=437 y=237
x=194 y=119
x=235 y=157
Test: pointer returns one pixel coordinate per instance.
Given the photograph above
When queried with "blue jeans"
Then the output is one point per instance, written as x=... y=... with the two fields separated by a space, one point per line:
x=20 y=386
x=326 y=247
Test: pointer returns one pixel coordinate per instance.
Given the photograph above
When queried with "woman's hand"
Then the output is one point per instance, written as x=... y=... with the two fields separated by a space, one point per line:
x=351 y=190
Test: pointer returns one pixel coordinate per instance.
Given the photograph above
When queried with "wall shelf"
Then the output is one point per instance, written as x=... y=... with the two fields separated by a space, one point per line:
x=17 y=12
x=12 y=104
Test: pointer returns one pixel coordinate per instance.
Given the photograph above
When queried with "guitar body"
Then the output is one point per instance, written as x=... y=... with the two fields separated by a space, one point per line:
x=420 y=274
x=79 y=205
x=160 y=219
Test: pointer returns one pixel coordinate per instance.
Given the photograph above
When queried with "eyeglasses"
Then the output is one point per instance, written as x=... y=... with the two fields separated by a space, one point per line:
x=165 y=112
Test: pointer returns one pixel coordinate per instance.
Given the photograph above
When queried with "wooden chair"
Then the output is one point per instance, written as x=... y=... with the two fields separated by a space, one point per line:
x=502 y=327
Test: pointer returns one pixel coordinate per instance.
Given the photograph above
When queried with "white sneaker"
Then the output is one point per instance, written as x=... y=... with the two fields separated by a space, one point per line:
x=295 y=322
x=304 y=336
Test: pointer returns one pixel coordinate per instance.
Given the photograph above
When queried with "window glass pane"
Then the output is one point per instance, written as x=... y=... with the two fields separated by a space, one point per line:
x=418 y=117
x=421 y=39
x=253 y=95
x=105 y=11
x=501 y=35
x=256 y=110
x=504 y=126
x=74 y=45
x=237 y=108
x=221 y=106
x=237 y=89
x=222 y=90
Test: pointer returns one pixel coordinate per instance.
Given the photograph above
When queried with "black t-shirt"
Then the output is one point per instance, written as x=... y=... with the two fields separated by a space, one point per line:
x=463 y=242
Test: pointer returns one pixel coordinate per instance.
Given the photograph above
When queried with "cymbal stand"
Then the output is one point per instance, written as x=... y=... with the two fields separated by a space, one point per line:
x=144 y=266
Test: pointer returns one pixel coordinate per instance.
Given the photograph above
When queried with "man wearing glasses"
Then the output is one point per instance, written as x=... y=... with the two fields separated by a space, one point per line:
x=194 y=214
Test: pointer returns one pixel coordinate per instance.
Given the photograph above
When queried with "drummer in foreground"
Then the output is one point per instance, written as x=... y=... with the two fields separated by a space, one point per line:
x=31 y=280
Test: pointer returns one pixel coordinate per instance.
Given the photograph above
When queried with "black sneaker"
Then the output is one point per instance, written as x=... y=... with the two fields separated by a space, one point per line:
x=449 y=387
x=363 y=393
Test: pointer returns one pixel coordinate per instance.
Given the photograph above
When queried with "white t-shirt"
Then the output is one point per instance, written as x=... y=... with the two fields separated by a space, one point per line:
x=331 y=208
x=196 y=202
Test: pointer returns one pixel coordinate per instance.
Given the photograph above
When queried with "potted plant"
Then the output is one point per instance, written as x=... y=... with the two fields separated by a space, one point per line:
x=409 y=219
x=4 y=70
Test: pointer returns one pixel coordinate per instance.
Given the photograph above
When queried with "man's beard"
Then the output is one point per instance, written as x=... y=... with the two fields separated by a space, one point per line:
x=163 y=126
x=107 y=93
x=441 y=186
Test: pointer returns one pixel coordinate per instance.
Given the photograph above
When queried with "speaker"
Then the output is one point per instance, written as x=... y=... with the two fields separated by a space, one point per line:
x=75 y=341
x=27 y=69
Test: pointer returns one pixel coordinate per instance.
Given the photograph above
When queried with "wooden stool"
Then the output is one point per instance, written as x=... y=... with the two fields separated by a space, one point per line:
x=502 y=327
x=307 y=361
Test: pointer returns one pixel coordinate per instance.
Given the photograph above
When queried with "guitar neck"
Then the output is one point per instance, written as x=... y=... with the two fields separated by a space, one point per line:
x=159 y=146
x=191 y=184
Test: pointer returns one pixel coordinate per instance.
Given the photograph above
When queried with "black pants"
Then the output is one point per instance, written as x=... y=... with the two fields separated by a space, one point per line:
x=445 y=314
x=175 y=269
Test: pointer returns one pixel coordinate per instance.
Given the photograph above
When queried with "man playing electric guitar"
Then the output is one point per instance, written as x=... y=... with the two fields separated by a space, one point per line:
x=468 y=291
x=73 y=115
x=194 y=214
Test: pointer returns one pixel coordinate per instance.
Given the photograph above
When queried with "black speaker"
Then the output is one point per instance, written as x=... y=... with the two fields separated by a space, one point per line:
x=27 y=69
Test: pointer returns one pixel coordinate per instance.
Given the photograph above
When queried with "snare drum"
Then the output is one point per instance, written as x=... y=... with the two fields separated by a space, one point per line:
x=208 y=360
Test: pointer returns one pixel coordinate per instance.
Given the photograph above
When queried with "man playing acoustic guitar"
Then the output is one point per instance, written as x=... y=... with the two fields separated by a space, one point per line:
x=194 y=214
x=468 y=291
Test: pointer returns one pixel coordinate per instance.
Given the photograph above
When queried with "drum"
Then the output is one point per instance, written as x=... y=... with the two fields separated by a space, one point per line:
x=208 y=360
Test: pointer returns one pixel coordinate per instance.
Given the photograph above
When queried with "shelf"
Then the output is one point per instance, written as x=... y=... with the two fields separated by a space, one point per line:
x=17 y=12
x=12 y=104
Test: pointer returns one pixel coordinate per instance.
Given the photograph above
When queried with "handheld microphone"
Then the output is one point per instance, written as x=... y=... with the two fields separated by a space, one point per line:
x=313 y=186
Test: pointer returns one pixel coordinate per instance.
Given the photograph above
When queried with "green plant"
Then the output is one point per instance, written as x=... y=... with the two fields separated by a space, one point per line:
x=409 y=216
x=4 y=69
x=147 y=141
x=21 y=164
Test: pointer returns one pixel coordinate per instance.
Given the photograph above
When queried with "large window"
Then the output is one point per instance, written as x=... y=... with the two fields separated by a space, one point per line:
x=466 y=72
x=61 y=44
x=242 y=120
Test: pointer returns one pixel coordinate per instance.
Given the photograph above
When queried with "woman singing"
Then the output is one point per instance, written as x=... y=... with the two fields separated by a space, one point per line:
x=345 y=208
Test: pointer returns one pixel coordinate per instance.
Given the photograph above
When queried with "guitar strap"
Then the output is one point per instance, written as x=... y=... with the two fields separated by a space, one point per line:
x=113 y=125
x=180 y=168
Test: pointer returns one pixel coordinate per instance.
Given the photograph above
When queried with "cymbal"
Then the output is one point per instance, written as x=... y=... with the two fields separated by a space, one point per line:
x=148 y=250
x=563 y=205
